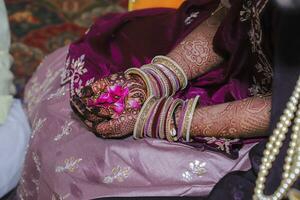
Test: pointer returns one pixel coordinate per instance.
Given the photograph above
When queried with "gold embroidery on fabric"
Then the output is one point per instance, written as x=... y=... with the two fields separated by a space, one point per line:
x=196 y=168
x=36 y=183
x=70 y=165
x=118 y=173
x=57 y=197
x=191 y=18
x=251 y=11
x=65 y=130
x=73 y=70
x=36 y=160
x=37 y=125
x=59 y=93
x=223 y=145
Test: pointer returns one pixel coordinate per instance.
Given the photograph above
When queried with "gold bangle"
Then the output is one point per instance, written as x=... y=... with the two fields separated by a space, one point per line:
x=172 y=65
x=143 y=115
x=145 y=78
x=188 y=117
x=161 y=75
x=169 y=131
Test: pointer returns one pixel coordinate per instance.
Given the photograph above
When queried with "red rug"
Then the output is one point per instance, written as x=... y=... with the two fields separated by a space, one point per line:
x=40 y=27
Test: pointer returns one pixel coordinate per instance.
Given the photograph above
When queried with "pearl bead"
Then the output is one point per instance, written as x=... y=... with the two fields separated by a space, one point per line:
x=285 y=175
x=278 y=143
x=276 y=132
x=296 y=128
x=280 y=125
x=287 y=123
x=275 y=151
x=286 y=167
x=284 y=129
x=290 y=152
x=294 y=100
x=291 y=106
x=281 y=137
x=269 y=146
x=288 y=159
x=296 y=95
x=297 y=120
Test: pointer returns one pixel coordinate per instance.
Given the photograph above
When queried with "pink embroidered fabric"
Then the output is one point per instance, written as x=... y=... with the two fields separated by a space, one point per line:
x=65 y=160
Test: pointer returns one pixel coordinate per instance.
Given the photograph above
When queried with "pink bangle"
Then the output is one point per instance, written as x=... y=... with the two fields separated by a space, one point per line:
x=171 y=76
x=162 y=117
x=159 y=85
x=163 y=80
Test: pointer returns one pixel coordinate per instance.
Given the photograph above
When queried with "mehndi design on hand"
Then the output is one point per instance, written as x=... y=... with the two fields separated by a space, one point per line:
x=109 y=105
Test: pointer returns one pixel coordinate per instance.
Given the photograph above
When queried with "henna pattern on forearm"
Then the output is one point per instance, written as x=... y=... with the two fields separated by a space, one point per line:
x=195 y=53
x=244 y=118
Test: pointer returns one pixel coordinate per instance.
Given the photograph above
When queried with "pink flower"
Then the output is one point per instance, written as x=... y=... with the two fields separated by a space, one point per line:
x=114 y=98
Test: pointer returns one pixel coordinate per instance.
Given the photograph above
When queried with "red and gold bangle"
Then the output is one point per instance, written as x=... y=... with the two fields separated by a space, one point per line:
x=171 y=132
x=162 y=117
x=143 y=115
x=172 y=65
x=188 y=117
x=145 y=78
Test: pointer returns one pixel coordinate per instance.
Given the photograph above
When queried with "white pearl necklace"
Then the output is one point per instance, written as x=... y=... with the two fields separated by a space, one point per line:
x=291 y=168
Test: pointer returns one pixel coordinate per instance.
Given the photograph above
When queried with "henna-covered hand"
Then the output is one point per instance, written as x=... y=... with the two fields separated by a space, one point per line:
x=109 y=106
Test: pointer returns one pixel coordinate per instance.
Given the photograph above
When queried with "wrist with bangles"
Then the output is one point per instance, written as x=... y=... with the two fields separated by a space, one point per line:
x=157 y=119
x=163 y=77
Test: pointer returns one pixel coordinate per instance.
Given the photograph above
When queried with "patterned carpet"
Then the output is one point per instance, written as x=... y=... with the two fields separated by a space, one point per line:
x=40 y=27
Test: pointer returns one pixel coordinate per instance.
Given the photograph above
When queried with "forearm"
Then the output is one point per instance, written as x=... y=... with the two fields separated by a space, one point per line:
x=245 y=118
x=195 y=53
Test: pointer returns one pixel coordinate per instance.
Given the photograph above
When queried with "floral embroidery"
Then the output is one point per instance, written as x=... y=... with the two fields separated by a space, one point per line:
x=196 y=168
x=187 y=176
x=37 y=125
x=74 y=69
x=36 y=183
x=118 y=173
x=191 y=18
x=59 y=93
x=66 y=130
x=223 y=144
x=70 y=165
x=36 y=160
x=251 y=11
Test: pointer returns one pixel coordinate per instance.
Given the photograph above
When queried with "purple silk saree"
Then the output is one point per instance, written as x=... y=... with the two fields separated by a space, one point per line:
x=66 y=161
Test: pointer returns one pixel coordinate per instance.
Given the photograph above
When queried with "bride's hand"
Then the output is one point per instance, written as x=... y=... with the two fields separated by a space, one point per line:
x=109 y=106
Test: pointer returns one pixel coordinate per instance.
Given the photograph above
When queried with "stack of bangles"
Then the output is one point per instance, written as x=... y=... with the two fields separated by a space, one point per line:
x=157 y=119
x=163 y=76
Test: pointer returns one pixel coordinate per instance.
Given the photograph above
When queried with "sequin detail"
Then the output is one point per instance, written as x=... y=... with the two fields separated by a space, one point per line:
x=65 y=130
x=117 y=173
x=70 y=165
x=196 y=169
